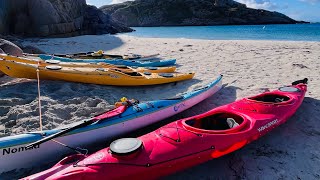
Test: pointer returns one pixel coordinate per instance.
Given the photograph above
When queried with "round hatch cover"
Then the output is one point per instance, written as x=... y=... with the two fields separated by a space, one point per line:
x=147 y=73
x=289 y=89
x=101 y=69
x=125 y=146
x=52 y=67
x=152 y=68
x=52 y=61
x=166 y=75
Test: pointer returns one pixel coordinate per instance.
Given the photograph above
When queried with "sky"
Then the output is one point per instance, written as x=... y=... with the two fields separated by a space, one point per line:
x=306 y=10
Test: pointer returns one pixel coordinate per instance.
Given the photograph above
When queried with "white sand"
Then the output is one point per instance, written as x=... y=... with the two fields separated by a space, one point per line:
x=292 y=151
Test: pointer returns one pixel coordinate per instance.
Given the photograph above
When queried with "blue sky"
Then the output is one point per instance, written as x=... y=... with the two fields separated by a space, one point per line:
x=307 y=10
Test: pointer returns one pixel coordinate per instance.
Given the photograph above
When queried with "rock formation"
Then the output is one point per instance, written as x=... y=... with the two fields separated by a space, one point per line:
x=226 y=3
x=191 y=13
x=10 y=48
x=54 y=18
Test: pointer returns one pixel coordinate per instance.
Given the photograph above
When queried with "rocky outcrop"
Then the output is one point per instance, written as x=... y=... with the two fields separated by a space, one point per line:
x=54 y=18
x=191 y=13
x=97 y=22
x=10 y=48
x=15 y=48
x=16 y=44
x=226 y=3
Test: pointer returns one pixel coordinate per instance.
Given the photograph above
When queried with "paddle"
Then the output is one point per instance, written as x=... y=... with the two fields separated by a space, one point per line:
x=85 y=123
x=303 y=81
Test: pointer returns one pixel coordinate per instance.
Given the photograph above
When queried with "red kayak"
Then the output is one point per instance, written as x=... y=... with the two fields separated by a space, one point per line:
x=187 y=142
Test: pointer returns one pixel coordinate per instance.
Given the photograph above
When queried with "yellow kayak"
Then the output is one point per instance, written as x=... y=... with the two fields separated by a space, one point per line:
x=36 y=60
x=103 y=76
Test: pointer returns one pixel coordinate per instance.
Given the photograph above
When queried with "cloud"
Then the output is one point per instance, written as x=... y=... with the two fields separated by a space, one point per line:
x=311 y=1
x=260 y=4
x=119 y=1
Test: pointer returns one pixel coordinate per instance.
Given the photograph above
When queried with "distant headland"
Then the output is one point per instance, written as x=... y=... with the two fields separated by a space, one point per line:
x=191 y=13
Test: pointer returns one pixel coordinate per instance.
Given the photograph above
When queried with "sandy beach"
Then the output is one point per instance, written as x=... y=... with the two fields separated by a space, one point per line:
x=291 y=151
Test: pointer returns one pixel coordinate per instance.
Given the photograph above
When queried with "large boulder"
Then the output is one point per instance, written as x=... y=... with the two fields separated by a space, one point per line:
x=10 y=48
x=52 y=18
x=190 y=13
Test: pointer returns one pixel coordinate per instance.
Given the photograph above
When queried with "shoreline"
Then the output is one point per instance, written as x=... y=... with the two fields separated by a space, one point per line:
x=124 y=35
x=116 y=41
x=275 y=40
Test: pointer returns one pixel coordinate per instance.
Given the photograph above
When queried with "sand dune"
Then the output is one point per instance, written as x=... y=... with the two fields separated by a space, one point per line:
x=249 y=67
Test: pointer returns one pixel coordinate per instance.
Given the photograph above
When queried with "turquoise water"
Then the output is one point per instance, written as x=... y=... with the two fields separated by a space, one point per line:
x=288 y=32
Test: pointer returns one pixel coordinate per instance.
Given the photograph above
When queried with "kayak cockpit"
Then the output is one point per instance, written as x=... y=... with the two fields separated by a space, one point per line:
x=219 y=123
x=270 y=98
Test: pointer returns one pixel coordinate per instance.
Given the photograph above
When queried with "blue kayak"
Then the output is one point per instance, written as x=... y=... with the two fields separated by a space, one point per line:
x=138 y=63
x=15 y=155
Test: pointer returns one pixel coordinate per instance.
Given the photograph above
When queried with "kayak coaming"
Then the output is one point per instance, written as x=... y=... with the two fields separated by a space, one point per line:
x=159 y=63
x=99 y=131
x=185 y=147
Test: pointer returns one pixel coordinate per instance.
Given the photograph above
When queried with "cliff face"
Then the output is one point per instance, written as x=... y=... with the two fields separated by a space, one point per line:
x=54 y=18
x=190 y=12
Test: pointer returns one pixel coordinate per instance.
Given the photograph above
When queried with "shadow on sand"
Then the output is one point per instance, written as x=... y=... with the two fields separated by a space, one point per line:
x=76 y=44
x=65 y=102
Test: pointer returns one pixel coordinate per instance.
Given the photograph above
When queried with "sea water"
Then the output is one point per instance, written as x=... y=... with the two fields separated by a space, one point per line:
x=287 y=32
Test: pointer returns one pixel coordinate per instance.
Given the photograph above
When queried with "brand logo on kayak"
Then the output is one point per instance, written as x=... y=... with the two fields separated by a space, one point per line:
x=268 y=125
x=177 y=107
x=94 y=158
x=13 y=150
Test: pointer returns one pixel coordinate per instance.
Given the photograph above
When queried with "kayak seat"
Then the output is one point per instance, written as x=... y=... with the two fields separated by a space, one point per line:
x=232 y=123
x=221 y=121
x=270 y=98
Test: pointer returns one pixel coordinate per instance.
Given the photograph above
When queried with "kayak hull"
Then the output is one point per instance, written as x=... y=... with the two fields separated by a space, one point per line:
x=187 y=142
x=12 y=148
x=102 y=76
